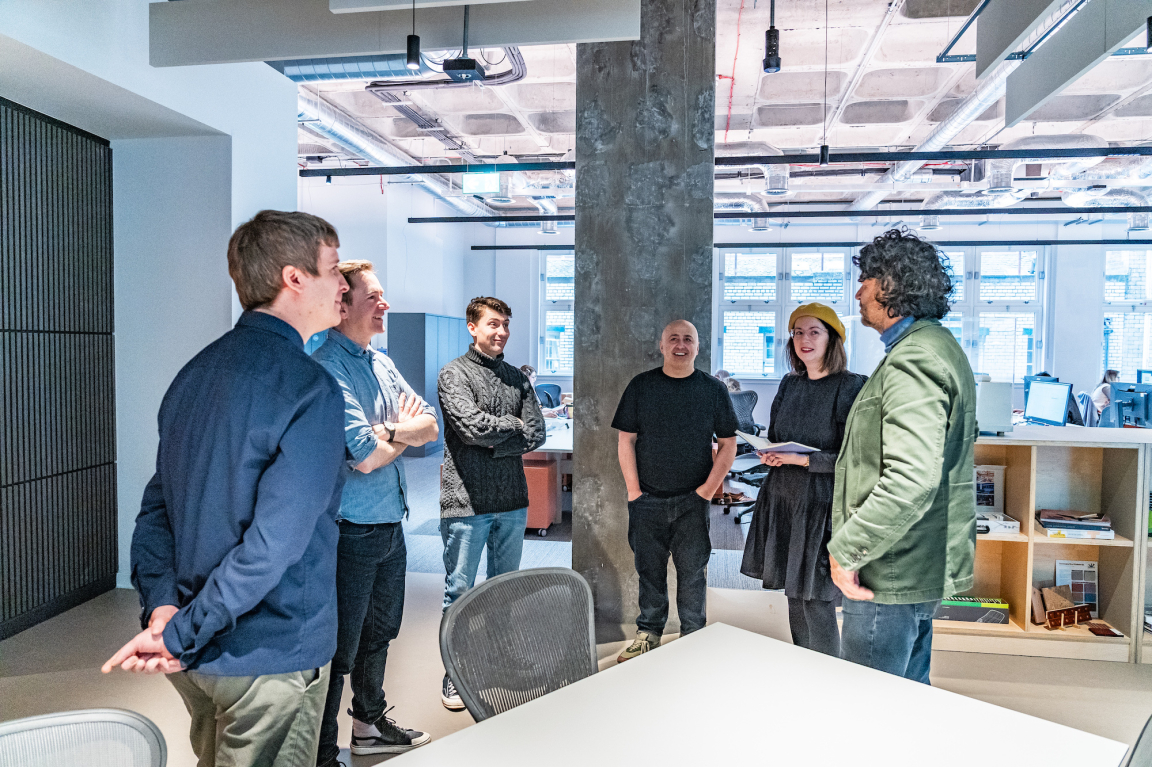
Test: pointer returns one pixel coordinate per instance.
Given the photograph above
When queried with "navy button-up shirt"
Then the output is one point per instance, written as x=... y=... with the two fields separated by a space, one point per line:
x=238 y=526
x=372 y=386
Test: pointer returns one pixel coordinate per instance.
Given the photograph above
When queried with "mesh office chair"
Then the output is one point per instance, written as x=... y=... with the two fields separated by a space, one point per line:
x=518 y=636
x=744 y=402
x=549 y=395
x=89 y=738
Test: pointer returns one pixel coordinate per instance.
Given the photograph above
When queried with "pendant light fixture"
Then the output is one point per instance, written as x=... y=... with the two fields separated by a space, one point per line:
x=413 y=43
x=772 y=43
x=824 y=143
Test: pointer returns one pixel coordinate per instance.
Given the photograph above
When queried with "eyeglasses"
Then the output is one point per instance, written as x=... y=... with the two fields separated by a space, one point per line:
x=813 y=334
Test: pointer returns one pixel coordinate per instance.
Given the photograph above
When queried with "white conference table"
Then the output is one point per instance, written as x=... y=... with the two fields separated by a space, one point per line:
x=559 y=436
x=725 y=696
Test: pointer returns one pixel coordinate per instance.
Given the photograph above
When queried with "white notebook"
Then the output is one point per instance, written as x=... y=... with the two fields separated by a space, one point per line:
x=764 y=446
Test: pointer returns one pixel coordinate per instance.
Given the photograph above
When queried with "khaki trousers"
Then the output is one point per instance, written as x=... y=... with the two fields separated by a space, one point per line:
x=257 y=721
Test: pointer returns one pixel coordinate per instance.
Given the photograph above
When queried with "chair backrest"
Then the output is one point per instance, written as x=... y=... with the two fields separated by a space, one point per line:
x=98 y=736
x=1087 y=409
x=1140 y=755
x=518 y=636
x=549 y=395
x=744 y=402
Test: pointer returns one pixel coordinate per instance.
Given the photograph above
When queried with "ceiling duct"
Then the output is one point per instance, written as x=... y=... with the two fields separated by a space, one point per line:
x=986 y=94
x=776 y=180
x=1113 y=198
x=1000 y=172
x=322 y=118
x=958 y=199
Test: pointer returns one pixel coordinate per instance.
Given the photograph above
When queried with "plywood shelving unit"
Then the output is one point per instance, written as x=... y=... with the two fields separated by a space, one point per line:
x=1066 y=468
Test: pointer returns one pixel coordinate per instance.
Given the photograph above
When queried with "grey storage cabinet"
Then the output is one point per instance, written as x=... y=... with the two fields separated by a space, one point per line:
x=421 y=344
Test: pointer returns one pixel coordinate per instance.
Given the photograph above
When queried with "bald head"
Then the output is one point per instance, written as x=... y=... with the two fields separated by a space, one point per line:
x=679 y=343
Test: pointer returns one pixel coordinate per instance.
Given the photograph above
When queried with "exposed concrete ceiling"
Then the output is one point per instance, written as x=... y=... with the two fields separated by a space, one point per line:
x=900 y=96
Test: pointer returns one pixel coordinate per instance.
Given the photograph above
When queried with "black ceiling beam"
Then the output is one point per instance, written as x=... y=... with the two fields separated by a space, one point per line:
x=741 y=214
x=938 y=243
x=782 y=159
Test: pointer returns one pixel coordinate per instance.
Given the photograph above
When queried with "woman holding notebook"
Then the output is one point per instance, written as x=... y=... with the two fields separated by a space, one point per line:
x=787 y=546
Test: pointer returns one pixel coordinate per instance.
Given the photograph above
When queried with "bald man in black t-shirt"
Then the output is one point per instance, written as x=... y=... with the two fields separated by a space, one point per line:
x=667 y=419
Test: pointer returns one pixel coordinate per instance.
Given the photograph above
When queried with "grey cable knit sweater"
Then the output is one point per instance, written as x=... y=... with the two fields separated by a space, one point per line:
x=491 y=418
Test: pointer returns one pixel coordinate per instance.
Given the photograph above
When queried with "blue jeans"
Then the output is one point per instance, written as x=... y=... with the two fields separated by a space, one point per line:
x=464 y=540
x=892 y=638
x=370 y=565
x=676 y=527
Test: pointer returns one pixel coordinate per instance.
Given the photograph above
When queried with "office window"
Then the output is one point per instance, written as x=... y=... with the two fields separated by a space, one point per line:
x=1007 y=345
x=954 y=263
x=818 y=277
x=954 y=321
x=557 y=326
x=560 y=277
x=749 y=343
x=559 y=340
x=759 y=290
x=1008 y=276
x=1126 y=275
x=749 y=276
x=1128 y=343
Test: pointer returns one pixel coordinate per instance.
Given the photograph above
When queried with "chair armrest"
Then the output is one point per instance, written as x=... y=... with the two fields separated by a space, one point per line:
x=760 y=428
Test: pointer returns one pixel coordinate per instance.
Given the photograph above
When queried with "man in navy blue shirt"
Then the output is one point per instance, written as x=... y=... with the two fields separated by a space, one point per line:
x=234 y=552
x=382 y=416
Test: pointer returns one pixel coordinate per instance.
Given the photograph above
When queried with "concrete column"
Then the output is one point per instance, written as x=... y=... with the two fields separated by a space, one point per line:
x=645 y=129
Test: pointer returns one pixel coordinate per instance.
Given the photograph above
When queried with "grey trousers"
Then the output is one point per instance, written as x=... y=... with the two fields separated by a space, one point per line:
x=239 y=721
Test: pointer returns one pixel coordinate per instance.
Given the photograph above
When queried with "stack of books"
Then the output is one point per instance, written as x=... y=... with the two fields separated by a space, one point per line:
x=1073 y=524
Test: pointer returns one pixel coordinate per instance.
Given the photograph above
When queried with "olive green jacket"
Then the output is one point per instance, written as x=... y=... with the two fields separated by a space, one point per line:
x=904 y=504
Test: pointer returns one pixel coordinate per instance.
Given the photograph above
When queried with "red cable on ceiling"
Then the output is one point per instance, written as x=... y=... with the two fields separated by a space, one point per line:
x=732 y=84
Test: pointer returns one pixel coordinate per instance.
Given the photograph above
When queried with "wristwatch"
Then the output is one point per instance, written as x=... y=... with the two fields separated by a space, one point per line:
x=391 y=432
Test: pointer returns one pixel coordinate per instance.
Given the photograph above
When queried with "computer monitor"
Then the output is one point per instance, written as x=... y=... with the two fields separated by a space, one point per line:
x=1028 y=384
x=1048 y=403
x=1144 y=376
x=1129 y=405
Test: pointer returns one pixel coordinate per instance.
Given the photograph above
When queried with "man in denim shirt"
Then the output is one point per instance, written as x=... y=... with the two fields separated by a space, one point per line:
x=382 y=416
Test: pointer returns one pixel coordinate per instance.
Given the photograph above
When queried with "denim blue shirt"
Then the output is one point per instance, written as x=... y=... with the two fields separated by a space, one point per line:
x=237 y=527
x=372 y=387
x=893 y=334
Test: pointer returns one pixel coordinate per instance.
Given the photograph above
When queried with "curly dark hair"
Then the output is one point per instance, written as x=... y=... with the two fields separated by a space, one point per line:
x=914 y=281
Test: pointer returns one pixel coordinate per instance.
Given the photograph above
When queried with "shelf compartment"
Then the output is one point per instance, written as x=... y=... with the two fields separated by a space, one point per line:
x=1041 y=537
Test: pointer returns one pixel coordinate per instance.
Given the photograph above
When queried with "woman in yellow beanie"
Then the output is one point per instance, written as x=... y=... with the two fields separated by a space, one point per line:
x=787 y=546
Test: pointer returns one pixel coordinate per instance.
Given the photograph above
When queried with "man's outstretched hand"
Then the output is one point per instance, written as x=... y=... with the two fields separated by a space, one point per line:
x=146 y=653
x=848 y=582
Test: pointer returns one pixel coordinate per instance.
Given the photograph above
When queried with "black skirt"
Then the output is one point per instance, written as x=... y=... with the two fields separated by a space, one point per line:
x=787 y=546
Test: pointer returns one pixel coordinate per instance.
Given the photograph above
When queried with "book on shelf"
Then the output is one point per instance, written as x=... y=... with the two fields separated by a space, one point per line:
x=1071 y=520
x=1097 y=535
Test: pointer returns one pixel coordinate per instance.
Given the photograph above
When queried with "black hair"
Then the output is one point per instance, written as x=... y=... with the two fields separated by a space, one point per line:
x=914 y=282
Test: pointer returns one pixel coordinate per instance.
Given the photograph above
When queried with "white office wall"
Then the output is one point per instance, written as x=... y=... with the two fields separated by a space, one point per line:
x=173 y=295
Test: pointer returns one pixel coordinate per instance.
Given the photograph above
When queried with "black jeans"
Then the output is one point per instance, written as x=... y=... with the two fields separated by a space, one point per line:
x=370 y=564
x=677 y=526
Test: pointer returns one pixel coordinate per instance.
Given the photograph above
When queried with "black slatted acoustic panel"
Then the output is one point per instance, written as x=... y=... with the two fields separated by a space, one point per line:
x=57 y=397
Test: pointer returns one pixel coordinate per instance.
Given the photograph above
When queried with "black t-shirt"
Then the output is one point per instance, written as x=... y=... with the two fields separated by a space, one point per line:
x=674 y=420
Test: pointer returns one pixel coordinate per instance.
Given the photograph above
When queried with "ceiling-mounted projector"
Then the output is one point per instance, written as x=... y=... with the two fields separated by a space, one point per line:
x=464 y=70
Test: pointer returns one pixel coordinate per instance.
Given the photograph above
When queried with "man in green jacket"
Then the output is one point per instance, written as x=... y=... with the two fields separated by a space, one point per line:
x=904 y=505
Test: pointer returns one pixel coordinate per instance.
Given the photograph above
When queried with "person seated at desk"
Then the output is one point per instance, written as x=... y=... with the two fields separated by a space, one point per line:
x=787 y=546
x=1102 y=394
x=549 y=412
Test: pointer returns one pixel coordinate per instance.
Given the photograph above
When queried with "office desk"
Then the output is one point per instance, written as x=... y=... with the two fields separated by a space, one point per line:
x=724 y=696
x=559 y=436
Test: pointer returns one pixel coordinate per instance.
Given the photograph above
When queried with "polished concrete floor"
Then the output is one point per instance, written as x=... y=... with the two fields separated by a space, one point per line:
x=55 y=667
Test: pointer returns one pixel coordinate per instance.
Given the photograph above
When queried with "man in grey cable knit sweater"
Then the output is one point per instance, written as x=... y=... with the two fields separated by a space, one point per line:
x=491 y=418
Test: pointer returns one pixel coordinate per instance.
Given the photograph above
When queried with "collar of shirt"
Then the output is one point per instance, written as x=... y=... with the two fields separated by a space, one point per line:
x=347 y=344
x=893 y=334
x=480 y=358
x=265 y=321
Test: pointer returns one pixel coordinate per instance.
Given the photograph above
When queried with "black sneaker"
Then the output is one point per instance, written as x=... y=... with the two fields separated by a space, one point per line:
x=450 y=697
x=391 y=740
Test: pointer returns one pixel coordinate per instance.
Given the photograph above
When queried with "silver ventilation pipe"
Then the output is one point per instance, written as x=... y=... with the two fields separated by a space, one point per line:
x=1113 y=198
x=958 y=199
x=1001 y=172
x=985 y=95
x=322 y=118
